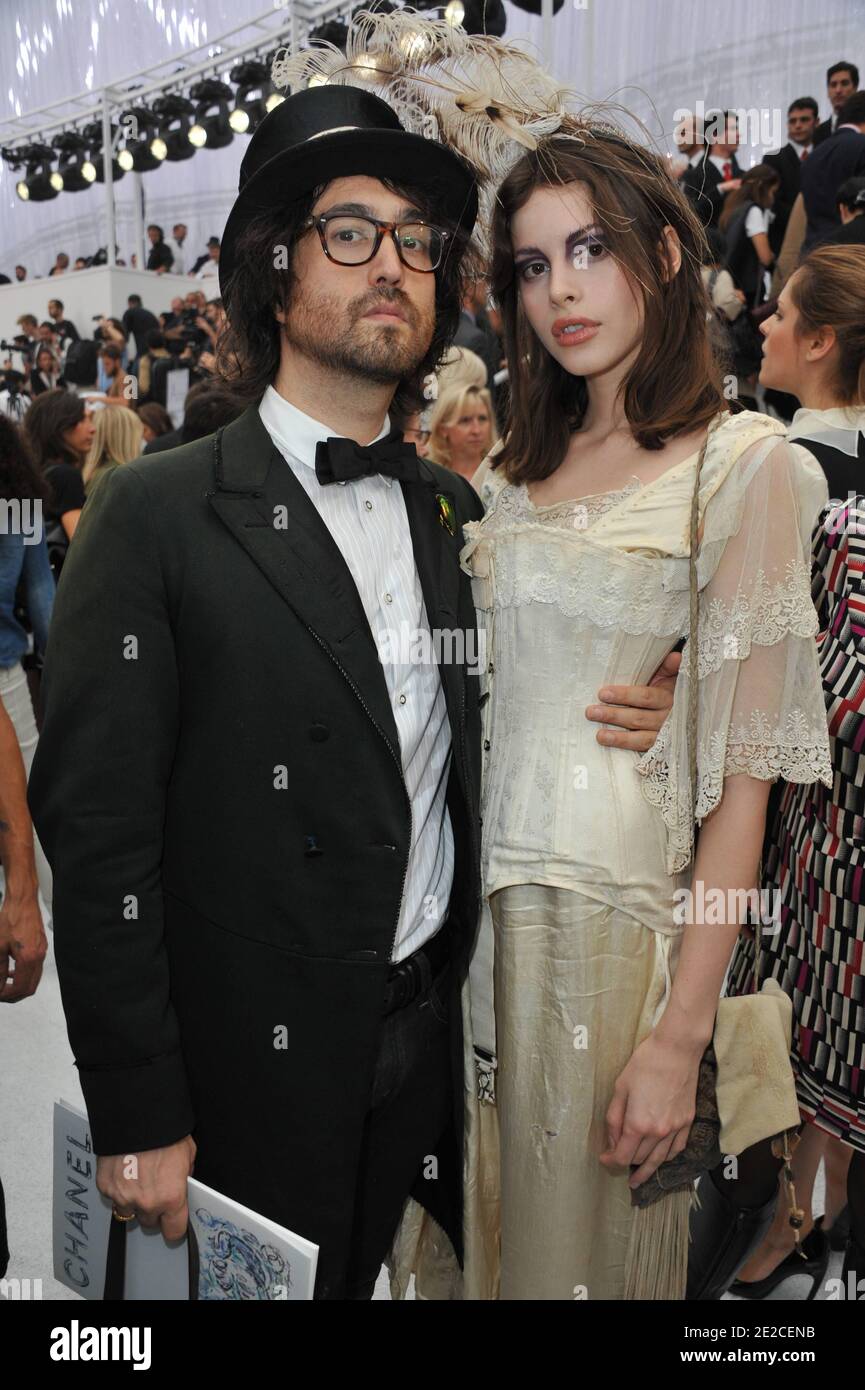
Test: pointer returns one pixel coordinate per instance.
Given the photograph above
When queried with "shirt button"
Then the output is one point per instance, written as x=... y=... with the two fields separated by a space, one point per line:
x=402 y=699
x=388 y=599
x=368 y=505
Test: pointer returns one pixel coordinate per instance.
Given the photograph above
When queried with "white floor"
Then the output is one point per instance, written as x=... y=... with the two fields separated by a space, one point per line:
x=37 y=1069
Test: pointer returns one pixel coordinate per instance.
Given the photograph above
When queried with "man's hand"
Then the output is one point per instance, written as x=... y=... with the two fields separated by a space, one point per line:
x=150 y=1185
x=22 y=940
x=639 y=708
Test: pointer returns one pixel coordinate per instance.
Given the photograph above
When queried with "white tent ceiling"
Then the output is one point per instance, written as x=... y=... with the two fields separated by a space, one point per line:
x=653 y=56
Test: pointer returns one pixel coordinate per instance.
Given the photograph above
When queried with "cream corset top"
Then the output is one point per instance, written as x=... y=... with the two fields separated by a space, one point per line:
x=596 y=590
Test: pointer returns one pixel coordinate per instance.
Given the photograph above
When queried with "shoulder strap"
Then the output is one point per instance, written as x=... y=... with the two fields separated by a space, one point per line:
x=693 y=634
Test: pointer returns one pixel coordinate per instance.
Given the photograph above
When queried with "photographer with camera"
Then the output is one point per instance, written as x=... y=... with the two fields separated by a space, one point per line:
x=14 y=397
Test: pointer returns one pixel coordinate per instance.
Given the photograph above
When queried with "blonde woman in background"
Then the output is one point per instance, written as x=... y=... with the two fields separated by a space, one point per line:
x=462 y=428
x=461 y=367
x=119 y=438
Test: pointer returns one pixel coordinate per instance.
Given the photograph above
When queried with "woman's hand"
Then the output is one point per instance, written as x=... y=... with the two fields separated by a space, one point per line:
x=653 y=1106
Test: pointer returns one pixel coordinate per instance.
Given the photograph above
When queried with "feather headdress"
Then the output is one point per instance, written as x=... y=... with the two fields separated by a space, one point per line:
x=487 y=100
x=439 y=79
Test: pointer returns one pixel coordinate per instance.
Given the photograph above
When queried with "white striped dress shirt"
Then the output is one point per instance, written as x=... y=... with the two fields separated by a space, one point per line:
x=368 y=521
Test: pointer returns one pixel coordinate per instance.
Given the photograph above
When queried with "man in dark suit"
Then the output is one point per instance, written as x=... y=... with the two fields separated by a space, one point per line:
x=851 y=210
x=708 y=181
x=801 y=124
x=842 y=81
x=840 y=157
x=268 y=953
x=474 y=330
x=258 y=776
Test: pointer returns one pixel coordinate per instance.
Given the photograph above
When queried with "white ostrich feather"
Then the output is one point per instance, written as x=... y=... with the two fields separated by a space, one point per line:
x=487 y=100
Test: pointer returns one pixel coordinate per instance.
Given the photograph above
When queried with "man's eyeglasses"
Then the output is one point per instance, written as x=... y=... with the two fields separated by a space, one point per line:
x=350 y=240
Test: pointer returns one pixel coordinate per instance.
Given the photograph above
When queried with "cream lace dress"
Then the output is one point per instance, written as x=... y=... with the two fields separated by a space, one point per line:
x=584 y=846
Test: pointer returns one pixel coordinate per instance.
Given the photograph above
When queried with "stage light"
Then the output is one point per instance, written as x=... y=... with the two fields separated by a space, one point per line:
x=534 y=6
x=172 y=138
x=486 y=17
x=137 y=154
x=211 y=127
x=40 y=183
x=93 y=135
x=475 y=16
x=73 y=175
x=333 y=31
x=252 y=80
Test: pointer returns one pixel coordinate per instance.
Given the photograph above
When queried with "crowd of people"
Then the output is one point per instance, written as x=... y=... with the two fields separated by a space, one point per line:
x=607 y=467
x=126 y=363
x=165 y=254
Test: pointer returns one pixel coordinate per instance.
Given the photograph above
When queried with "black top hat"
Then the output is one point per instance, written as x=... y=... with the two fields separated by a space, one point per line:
x=328 y=132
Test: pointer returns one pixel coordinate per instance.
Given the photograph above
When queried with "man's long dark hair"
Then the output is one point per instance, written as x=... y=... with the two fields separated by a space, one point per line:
x=248 y=350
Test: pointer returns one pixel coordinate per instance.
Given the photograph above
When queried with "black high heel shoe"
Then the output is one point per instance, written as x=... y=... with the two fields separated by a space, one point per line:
x=815 y=1248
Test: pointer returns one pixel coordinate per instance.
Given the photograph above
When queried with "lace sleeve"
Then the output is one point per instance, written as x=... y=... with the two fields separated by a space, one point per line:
x=761 y=709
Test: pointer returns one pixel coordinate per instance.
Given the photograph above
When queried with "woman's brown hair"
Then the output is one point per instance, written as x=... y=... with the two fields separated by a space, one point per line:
x=828 y=290
x=47 y=420
x=755 y=187
x=674 y=385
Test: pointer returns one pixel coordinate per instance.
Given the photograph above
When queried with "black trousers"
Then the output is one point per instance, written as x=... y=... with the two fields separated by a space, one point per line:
x=409 y=1110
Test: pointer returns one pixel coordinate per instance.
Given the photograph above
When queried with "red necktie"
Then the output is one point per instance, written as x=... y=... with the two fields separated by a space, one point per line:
x=803 y=155
x=728 y=170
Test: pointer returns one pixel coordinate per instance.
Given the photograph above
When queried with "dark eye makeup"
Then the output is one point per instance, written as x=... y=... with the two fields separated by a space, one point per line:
x=591 y=240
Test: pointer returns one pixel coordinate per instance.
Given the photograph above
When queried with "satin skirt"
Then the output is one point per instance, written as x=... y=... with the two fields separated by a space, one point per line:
x=578 y=985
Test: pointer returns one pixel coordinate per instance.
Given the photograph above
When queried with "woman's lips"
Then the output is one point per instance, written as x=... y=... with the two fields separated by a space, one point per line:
x=581 y=335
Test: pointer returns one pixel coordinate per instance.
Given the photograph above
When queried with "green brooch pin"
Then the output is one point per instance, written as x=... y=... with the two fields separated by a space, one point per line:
x=447 y=516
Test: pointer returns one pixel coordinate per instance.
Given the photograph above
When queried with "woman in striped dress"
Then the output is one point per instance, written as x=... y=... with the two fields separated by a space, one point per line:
x=814 y=859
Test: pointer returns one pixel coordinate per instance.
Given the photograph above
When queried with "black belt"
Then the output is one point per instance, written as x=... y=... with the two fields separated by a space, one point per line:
x=410 y=977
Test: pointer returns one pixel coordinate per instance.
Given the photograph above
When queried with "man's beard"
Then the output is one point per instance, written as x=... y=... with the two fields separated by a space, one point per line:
x=334 y=334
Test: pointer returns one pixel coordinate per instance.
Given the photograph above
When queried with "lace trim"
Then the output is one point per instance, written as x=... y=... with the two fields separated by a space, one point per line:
x=611 y=588
x=797 y=750
x=576 y=513
x=771 y=613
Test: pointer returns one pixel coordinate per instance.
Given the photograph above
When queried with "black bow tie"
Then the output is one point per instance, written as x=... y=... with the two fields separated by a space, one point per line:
x=340 y=460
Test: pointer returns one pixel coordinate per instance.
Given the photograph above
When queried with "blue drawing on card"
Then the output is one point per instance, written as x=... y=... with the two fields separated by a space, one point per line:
x=235 y=1264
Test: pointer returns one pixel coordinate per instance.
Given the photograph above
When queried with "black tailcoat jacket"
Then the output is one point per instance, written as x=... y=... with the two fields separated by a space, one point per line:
x=217 y=978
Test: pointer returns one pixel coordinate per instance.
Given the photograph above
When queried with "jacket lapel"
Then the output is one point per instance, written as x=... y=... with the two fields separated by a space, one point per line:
x=436 y=555
x=258 y=498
